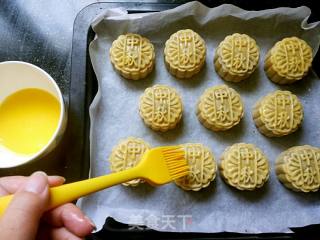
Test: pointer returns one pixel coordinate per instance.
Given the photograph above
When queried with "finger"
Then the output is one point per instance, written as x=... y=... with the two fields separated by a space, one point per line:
x=72 y=218
x=62 y=233
x=56 y=234
x=56 y=181
x=22 y=217
x=9 y=185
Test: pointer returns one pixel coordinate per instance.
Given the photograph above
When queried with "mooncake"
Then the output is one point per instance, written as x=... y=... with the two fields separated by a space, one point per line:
x=244 y=166
x=236 y=57
x=202 y=167
x=289 y=60
x=132 y=56
x=220 y=108
x=298 y=168
x=278 y=114
x=184 y=53
x=160 y=107
x=127 y=154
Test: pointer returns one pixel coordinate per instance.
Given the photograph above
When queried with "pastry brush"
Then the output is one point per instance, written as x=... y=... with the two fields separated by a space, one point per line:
x=157 y=166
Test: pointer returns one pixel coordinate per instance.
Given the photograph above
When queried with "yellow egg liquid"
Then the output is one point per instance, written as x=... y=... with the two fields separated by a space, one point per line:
x=28 y=120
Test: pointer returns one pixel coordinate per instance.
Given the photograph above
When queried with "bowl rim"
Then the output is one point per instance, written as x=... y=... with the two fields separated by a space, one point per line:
x=62 y=116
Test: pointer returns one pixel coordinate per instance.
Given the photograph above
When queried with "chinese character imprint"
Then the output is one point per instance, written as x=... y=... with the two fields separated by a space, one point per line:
x=127 y=154
x=160 y=107
x=280 y=113
x=131 y=51
x=240 y=58
x=247 y=166
x=283 y=112
x=223 y=108
x=244 y=166
x=202 y=167
x=239 y=54
x=220 y=108
x=185 y=53
x=292 y=58
x=304 y=167
x=187 y=56
x=132 y=56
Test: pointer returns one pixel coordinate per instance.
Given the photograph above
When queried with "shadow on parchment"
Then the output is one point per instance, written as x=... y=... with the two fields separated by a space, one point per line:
x=169 y=136
x=195 y=80
x=287 y=141
x=204 y=194
x=300 y=87
x=141 y=84
x=231 y=135
x=247 y=85
x=250 y=196
x=141 y=191
x=309 y=198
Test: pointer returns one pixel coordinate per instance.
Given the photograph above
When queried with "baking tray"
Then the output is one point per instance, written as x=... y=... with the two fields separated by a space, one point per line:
x=83 y=87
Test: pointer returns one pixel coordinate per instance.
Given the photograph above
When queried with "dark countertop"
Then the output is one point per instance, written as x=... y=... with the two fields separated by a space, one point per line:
x=40 y=32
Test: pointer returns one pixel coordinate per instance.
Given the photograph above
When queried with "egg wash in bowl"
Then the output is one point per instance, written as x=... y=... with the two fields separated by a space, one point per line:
x=28 y=120
x=32 y=113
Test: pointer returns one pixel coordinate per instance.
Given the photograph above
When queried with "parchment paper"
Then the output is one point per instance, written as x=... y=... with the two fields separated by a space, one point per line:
x=114 y=116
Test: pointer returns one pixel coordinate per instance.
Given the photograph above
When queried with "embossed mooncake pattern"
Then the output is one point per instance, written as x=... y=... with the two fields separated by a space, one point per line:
x=244 y=166
x=277 y=114
x=298 y=168
x=202 y=167
x=132 y=56
x=185 y=53
x=127 y=154
x=220 y=108
x=288 y=61
x=236 y=57
x=160 y=107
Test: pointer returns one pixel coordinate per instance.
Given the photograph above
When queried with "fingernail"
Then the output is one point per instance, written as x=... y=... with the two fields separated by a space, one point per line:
x=36 y=183
x=91 y=223
x=80 y=218
x=58 y=178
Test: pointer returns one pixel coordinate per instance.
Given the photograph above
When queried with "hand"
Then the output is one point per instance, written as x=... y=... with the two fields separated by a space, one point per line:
x=25 y=218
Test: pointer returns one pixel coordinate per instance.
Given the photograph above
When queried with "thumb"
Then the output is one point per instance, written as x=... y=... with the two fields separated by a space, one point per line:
x=22 y=217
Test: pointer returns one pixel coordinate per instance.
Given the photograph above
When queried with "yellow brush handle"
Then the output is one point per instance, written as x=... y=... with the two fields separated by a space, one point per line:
x=72 y=191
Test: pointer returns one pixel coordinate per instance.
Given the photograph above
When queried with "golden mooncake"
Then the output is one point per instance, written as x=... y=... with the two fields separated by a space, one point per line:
x=127 y=154
x=220 y=108
x=236 y=57
x=160 y=107
x=244 y=166
x=184 y=53
x=278 y=114
x=289 y=60
x=132 y=56
x=298 y=168
x=202 y=167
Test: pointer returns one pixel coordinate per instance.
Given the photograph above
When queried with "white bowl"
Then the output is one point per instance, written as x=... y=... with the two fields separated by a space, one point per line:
x=15 y=76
